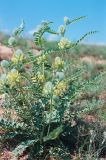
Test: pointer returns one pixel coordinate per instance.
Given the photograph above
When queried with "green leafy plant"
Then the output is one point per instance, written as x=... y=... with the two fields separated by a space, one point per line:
x=45 y=98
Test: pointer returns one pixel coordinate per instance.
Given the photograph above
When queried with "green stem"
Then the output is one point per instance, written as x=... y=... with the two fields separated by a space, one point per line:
x=51 y=109
x=41 y=135
x=43 y=68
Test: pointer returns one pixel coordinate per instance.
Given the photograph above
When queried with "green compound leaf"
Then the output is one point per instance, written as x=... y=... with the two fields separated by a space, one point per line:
x=54 y=134
x=84 y=36
x=76 y=19
x=23 y=146
x=19 y=29
x=43 y=28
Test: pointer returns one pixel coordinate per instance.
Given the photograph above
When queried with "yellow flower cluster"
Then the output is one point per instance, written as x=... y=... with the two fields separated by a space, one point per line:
x=38 y=78
x=17 y=58
x=60 y=88
x=41 y=59
x=13 y=77
x=64 y=43
x=58 y=63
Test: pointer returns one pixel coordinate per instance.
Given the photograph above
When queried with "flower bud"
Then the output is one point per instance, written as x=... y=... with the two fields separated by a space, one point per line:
x=57 y=59
x=66 y=20
x=18 y=52
x=12 y=41
x=60 y=75
x=13 y=70
x=61 y=30
x=4 y=63
x=48 y=88
x=3 y=77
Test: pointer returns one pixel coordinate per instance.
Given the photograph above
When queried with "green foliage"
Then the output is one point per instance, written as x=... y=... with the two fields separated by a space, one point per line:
x=18 y=30
x=22 y=147
x=76 y=19
x=43 y=28
x=85 y=35
x=48 y=97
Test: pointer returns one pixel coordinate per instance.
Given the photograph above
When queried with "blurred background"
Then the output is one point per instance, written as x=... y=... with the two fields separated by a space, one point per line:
x=34 y=11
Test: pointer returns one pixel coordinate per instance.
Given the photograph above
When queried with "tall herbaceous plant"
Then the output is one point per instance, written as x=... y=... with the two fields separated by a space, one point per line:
x=42 y=100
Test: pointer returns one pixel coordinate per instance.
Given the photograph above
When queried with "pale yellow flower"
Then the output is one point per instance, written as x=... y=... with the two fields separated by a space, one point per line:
x=41 y=59
x=13 y=77
x=17 y=58
x=64 y=43
x=41 y=78
x=58 y=63
x=60 y=88
x=34 y=79
x=38 y=78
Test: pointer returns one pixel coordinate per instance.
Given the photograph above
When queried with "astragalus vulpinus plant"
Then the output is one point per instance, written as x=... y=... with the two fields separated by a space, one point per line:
x=48 y=98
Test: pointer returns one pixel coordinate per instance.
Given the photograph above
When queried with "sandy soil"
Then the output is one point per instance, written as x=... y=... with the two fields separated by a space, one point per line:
x=93 y=60
x=5 y=52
